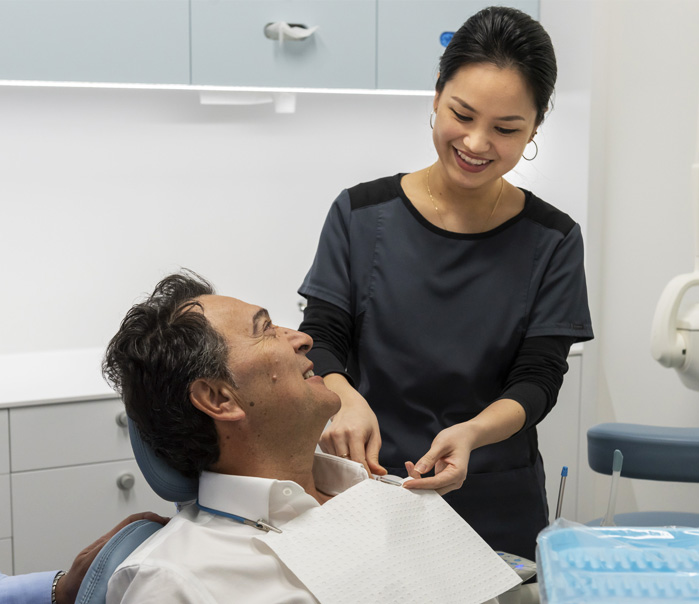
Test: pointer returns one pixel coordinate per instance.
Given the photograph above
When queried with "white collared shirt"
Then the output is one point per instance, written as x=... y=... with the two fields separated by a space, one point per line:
x=200 y=557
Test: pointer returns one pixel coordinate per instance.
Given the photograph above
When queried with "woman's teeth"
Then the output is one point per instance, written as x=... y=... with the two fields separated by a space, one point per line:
x=470 y=160
x=308 y=374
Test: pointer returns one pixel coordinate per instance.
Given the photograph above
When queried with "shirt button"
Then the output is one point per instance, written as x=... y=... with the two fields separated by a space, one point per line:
x=287 y=491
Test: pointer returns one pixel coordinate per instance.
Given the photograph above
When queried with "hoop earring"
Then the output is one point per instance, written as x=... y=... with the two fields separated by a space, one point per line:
x=431 y=124
x=535 y=154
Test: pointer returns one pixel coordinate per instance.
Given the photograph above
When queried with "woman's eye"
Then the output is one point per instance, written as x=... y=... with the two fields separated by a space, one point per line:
x=506 y=130
x=460 y=117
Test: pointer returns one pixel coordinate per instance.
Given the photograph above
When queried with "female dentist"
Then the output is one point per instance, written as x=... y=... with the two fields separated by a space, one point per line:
x=443 y=302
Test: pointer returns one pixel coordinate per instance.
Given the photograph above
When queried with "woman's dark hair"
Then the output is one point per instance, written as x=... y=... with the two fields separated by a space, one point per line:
x=162 y=346
x=507 y=38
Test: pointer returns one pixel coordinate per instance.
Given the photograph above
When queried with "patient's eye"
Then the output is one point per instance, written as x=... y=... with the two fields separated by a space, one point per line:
x=269 y=327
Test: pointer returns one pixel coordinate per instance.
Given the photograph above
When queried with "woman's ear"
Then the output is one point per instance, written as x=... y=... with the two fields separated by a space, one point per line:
x=217 y=399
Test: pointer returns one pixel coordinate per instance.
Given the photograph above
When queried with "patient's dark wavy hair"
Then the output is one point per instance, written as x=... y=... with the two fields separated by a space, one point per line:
x=162 y=346
x=507 y=38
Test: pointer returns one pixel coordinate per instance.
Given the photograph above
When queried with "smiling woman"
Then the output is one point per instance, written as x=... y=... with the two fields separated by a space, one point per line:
x=443 y=302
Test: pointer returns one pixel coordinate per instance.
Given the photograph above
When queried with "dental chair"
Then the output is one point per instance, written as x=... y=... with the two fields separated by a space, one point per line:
x=169 y=484
x=651 y=453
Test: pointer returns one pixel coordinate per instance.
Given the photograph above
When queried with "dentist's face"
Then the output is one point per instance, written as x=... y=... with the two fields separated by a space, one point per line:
x=484 y=118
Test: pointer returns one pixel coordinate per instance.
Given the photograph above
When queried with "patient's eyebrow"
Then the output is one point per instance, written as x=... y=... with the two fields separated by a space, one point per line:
x=257 y=317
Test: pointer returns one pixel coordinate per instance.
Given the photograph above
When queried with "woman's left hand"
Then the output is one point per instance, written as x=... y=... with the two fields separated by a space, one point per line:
x=448 y=455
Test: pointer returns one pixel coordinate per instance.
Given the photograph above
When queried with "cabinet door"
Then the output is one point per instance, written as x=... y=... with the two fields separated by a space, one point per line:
x=5 y=508
x=559 y=442
x=51 y=436
x=137 y=41
x=56 y=513
x=4 y=443
x=410 y=41
x=229 y=46
x=6 y=557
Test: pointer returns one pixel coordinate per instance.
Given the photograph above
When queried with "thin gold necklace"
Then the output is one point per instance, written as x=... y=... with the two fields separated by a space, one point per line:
x=441 y=219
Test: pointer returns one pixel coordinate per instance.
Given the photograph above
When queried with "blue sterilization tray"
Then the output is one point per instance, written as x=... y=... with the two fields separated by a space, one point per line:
x=604 y=565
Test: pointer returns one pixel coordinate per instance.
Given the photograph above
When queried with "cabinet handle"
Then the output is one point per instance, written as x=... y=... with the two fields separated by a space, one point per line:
x=122 y=420
x=126 y=481
x=288 y=31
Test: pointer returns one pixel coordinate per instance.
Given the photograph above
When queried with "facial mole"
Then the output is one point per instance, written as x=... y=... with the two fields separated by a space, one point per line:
x=252 y=403
x=274 y=377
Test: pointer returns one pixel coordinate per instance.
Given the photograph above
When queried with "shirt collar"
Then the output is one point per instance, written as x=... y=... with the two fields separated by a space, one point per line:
x=277 y=501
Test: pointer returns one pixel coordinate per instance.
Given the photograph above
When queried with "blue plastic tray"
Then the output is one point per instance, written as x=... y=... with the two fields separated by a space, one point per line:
x=602 y=565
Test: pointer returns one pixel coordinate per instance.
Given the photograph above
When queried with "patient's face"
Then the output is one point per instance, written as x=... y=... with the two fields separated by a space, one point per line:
x=270 y=366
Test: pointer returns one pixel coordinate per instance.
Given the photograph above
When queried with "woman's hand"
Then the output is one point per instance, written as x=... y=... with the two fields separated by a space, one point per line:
x=451 y=448
x=448 y=455
x=354 y=430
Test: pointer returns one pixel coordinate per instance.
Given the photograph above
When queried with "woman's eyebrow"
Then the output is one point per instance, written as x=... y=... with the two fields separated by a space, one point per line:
x=506 y=118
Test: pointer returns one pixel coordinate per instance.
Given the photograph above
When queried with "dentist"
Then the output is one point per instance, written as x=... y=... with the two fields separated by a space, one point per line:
x=443 y=302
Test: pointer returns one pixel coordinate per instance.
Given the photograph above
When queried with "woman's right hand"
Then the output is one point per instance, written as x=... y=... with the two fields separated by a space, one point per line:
x=354 y=429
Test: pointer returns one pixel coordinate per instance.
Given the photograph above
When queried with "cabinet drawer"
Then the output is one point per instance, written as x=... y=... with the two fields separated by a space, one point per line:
x=5 y=509
x=59 y=512
x=229 y=46
x=6 y=556
x=409 y=37
x=51 y=436
x=4 y=443
x=139 y=41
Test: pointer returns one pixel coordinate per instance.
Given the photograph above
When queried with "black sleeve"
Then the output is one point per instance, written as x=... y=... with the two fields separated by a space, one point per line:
x=331 y=329
x=537 y=374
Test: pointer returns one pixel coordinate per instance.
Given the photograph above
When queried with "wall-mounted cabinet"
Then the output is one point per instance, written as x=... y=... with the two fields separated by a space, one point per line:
x=230 y=48
x=124 y=41
x=358 y=44
x=412 y=35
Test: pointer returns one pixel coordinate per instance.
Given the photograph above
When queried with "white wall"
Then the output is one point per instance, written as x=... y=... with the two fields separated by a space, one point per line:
x=105 y=191
x=644 y=138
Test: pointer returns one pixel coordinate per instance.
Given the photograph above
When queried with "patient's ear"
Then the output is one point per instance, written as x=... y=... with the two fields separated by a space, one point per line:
x=217 y=399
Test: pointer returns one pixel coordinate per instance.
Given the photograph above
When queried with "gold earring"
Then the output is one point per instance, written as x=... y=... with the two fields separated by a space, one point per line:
x=535 y=154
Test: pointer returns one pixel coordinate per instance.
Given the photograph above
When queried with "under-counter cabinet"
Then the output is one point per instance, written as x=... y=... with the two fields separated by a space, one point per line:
x=230 y=47
x=72 y=478
x=135 y=41
x=5 y=510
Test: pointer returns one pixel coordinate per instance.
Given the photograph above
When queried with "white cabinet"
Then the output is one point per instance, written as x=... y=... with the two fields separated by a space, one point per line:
x=5 y=508
x=67 y=461
x=410 y=37
x=58 y=512
x=138 y=41
x=52 y=436
x=230 y=48
x=559 y=442
x=4 y=443
x=6 y=556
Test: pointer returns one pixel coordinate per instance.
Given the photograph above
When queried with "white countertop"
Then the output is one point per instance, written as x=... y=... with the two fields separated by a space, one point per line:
x=38 y=378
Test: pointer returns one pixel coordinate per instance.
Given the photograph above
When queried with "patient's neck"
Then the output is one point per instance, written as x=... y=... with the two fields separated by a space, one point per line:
x=280 y=463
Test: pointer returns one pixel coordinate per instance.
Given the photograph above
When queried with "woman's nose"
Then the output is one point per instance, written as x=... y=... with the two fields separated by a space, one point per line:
x=477 y=141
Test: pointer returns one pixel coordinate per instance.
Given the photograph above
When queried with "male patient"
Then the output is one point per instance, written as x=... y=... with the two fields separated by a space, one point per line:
x=217 y=389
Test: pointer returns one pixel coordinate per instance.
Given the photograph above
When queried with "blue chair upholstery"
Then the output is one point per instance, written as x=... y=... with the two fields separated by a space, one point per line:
x=651 y=453
x=93 y=589
x=169 y=484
